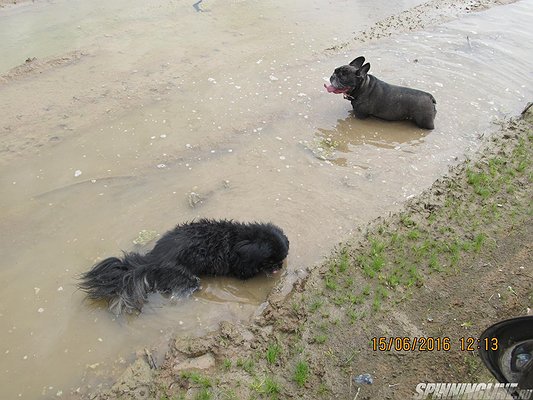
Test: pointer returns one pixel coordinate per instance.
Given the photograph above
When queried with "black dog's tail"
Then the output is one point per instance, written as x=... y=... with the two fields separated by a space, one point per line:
x=125 y=283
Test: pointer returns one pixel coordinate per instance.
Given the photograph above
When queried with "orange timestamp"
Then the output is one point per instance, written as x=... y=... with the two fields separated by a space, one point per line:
x=432 y=343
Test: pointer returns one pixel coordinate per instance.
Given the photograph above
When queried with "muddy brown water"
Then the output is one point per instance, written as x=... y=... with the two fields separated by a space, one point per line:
x=171 y=114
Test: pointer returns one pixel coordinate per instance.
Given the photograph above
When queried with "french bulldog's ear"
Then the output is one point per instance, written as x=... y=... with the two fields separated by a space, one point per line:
x=358 y=62
x=363 y=70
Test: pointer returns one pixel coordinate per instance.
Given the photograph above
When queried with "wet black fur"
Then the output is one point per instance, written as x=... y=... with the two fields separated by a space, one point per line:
x=204 y=247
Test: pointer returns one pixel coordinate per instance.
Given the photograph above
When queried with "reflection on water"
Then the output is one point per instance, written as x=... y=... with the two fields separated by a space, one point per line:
x=351 y=132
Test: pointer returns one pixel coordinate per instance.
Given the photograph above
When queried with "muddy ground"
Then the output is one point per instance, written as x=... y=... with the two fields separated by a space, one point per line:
x=455 y=260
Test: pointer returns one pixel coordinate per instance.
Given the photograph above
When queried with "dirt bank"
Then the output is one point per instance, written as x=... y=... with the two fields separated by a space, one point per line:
x=455 y=260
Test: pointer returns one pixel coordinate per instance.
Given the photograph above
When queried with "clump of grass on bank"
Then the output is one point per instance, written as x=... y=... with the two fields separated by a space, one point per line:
x=272 y=353
x=301 y=373
x=246 y=364
x=267 y=387
x=197 y=379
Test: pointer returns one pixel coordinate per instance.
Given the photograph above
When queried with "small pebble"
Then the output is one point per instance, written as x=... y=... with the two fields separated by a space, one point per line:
x=365 y=379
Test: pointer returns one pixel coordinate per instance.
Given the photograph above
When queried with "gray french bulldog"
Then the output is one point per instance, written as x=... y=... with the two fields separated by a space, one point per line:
x=371 y=96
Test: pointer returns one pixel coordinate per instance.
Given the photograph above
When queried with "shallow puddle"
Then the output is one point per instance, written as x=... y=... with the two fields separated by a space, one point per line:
x=172 y=114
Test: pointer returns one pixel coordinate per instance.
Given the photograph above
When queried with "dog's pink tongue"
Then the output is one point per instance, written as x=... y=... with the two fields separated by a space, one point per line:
x=333 y=89
x=329 y=88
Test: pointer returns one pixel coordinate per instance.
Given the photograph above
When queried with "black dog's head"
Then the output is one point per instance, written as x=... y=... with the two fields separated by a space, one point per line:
x=264 y=250
x=349 y=78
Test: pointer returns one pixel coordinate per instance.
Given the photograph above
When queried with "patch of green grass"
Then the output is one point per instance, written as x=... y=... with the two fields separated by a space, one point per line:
x=407 y=221
x=272 y=353
x=374 y=261
x=432 y=218
x=377 y=257
x=268 y=387
x=412 y=247
x=379 y=295
x=196 y=378
x=377 y=246
x=434 y=263
x=378 y=261
x=331 y=283
x=271 y=387
x=339 y=301
x=394 y=279
x=354 y=316
x=414 y=234
x=296 y=306
x=349 y=282
x=226 y=364
x=478 y=242
x=301 y=373
x=396 y=240
x=454 y=250
x=522 y=165
x=376 y=303
x=364 y=262
x=322 y=389
x=247 y=365
x=344 y=262
x=414 y=278
x=480 y=181
x=321 y=339
x=204 y=394
x=354 y=299
x=315 y=305
x=298 y=348
x=495 y=165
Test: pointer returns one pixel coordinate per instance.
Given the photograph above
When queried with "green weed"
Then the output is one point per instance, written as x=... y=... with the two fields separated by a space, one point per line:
x=315 y=305
x=301 y=373
x=272 y=353
x=247 y=365
x=321 y=339
x=268 y=386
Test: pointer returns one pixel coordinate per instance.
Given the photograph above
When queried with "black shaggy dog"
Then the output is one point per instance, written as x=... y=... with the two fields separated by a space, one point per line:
x=204 y=247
